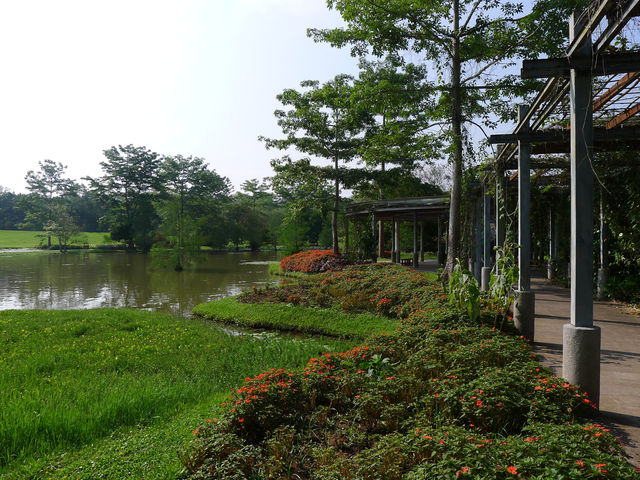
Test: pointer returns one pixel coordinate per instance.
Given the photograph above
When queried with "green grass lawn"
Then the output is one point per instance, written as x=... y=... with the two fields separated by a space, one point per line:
x=296 y=318
x=113 y=393
x=31 y=239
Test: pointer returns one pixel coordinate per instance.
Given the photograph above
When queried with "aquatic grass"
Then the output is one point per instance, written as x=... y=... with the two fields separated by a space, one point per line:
x=295 y=318
x=274 y=269
x=70 y=377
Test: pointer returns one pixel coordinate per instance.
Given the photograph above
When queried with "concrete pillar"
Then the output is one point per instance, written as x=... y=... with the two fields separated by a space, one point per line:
x=477 y=268
x=422 y=241
x=524 y=307
x=374 y=251
x=500 y=213
x=581 y=340
x=552 y=242
x=486 y=268
x=380 y=238
x=441 y=245
x=414 y=258
x=603 y=271
x=396 y=236
x=393 y=240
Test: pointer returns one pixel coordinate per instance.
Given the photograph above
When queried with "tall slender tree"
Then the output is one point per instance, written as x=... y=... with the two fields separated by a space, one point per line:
x=322 y=122
x=190 y=188
x=47 y=186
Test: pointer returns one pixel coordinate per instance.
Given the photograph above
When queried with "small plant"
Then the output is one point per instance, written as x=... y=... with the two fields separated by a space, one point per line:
x=377 y=366
x=464 y=291
x=503 y=276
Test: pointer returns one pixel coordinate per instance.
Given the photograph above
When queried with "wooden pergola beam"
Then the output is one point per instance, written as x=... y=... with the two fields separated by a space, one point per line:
x=614 y=90
x=624 y=116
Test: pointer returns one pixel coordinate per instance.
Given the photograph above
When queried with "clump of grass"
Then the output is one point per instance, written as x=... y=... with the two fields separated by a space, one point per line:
x=71 y=377
x=295 y=318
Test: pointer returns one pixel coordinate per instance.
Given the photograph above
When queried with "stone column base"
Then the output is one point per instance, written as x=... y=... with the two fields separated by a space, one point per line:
x=486 y=279
x=581 y=358
x=603 y=277
x=550 y=270
x=524 y=312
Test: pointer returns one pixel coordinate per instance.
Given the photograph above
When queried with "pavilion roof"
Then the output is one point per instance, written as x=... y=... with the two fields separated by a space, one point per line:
x=424 y=208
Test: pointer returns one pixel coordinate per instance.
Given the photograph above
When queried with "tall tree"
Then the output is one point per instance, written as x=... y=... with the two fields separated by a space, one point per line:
x=190 y=188
x=47 y=186
x=255 y=188
x=322 y=122
x=398 y=95
x=464 y=40
x=11 y=215
x=127 y=187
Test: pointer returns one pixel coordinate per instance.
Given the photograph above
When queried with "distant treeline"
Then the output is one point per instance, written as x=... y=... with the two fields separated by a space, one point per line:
x=145 y=200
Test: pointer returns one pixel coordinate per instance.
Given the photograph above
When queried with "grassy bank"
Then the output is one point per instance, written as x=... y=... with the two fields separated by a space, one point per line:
x=33 y=239
x=72 y=378
x=295 y=318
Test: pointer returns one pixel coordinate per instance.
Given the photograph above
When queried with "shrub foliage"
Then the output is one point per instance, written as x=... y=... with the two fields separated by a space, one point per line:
x=313 y=261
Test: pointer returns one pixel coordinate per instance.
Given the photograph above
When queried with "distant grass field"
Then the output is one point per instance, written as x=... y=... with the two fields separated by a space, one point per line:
x=31 y=239
x=119 y=383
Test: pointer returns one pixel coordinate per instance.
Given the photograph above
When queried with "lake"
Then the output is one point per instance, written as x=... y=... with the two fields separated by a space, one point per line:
x=118 y=279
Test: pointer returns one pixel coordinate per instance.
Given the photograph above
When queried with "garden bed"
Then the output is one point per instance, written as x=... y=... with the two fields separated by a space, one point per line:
x=439 y=397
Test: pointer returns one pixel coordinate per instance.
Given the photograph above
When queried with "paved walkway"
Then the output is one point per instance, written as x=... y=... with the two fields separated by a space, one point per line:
x=620 y=357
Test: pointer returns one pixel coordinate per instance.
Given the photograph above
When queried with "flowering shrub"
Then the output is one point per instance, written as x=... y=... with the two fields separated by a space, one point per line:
x=313 y=261
x=441 y=397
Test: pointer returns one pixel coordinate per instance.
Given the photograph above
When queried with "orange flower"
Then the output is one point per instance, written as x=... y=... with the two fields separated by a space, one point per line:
x=512 y=470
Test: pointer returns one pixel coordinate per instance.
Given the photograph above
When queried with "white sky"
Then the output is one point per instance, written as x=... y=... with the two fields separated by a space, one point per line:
x=190 y=77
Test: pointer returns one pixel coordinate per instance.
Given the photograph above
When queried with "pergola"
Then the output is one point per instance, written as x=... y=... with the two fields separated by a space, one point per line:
x=590 y=103
x=415 y=210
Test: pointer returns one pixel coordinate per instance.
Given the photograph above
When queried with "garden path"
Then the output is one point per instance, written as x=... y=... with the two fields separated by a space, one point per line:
x=620 y=356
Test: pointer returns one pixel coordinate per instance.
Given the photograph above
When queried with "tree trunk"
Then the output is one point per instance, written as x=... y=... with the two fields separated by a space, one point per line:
x=334 y=216
x=453 y=239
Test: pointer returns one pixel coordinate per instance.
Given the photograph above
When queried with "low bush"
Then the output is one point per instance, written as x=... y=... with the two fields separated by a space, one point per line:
x=400 y=408
x=313 y=261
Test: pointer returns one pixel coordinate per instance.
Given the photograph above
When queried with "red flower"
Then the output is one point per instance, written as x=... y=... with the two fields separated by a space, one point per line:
x=462 y=472
x=512 y=470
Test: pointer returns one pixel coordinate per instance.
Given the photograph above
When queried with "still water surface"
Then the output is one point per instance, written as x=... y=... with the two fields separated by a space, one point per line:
x=93 y=280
